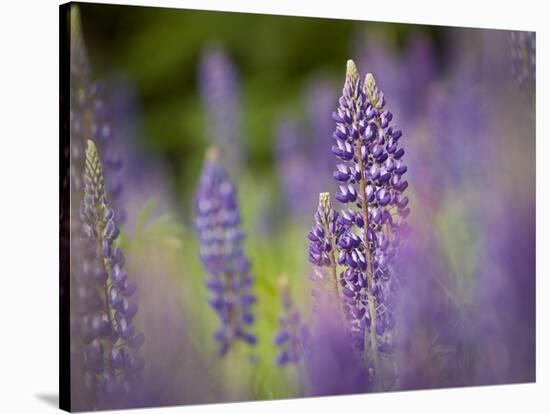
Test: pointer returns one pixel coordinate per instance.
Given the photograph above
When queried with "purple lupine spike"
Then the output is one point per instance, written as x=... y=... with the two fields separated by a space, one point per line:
x=371 y=178
x=90 y=118
x=105 y=297
x=420 y=60
x=323 y=234
x=294 y=166
x=421 y=70
x=323 y=237
x=218 y=226
x=321 y=96
x=523 y=55
x=220 y=93
x=293 y=334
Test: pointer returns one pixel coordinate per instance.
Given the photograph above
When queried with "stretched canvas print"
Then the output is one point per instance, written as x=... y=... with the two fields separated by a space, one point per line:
x=263 y=207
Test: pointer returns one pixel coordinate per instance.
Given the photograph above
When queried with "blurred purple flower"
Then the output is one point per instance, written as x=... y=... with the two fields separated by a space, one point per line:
x=420 y=70
x=218 y=226
x=293 y=333
x=523 y=56
x=301 y=152
x=321 y=97
x=407 y=76
x=145 y=174
x=295 y=168
x=90 y=118
x=378 y=53
x=220 y=92
x=333 y=366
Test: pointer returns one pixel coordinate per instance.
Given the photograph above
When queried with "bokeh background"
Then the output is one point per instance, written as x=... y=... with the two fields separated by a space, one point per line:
x=263 y=88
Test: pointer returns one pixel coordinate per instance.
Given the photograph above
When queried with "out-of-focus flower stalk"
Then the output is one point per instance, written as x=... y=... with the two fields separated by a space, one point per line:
x=218 y=225
x=320 y=99
x=294 y=166
x=293 y=333
x=105 y=297
x=220 y=92
x=90 y=119
x=523 y=54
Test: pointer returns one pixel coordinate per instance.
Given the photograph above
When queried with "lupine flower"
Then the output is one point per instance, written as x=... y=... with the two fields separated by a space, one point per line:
x=333 y=366
x=523 y=54
x=90 y=119
x=292 y=334
x=220 y=92
x=372 y=185
x=297 y=164
x=321 y=96
x=457 y=133
x=322 y=253
x=218 y=225
x=294 y=166
x=105 y=297
x=419 y=71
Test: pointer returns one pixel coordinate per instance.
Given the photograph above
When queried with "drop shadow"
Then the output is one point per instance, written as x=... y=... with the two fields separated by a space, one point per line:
x=50 y=399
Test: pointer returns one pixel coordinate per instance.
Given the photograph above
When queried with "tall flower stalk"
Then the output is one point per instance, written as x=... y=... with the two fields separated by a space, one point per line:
x=371 y=222
x=90 y=118
x=218 y=225
x=294 y=166
x=320 y=97
x=220 y=93
x=293 y=333
x=105 y=297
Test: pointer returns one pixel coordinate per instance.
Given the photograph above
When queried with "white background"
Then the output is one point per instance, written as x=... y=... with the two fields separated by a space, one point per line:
x=29 y=204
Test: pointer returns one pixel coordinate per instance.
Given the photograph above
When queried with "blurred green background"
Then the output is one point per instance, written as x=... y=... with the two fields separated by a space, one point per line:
x=159 y=50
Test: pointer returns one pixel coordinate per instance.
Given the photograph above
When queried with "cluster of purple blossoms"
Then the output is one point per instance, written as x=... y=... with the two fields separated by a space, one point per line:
x=105 y=298
x=90 y=119
x=293 y=333
x=321 y=237
x=218 y=225
x=220 y=92
x=322 y=253
x=366 y=233
x=371 y=177
x=523 y=54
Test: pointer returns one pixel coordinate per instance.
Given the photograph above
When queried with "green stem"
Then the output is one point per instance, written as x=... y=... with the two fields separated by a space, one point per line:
x=334 y=271
x=300 y=368
x=371 y=300
x=99 y=254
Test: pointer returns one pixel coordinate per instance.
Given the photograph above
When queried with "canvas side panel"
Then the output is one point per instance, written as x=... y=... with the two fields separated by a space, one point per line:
x=64 y=210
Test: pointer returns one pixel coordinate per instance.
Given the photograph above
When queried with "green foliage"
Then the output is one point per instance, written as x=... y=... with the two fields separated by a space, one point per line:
x=461 y=247
x=283 y=252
